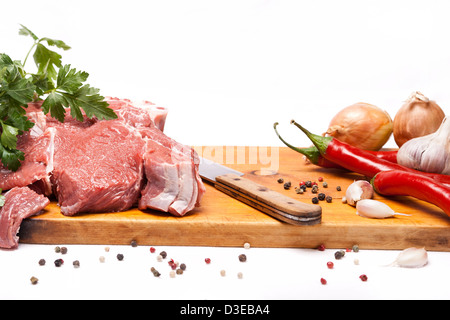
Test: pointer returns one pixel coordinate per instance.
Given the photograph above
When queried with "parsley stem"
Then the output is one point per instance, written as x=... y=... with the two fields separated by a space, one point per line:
x=29 y=51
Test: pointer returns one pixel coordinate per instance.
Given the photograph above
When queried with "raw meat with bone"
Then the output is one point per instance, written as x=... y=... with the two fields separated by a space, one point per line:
x=109 y=170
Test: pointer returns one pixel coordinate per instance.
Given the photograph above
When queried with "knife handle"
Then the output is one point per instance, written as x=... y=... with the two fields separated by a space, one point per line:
x=269 y=201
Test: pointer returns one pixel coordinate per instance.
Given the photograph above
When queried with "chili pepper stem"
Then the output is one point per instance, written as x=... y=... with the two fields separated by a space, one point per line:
x=320 y=142
x=310 y=153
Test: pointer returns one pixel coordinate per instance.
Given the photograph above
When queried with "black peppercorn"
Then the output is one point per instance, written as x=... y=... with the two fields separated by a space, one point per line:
x=133 y=243
x=281 y=180
x=287 y=185
x=242 y=258
x=321 y=196
x=329 y=199
x=58 y=262
x=339 y=254
x=120 y=257
x=63 y=250
x=315 y=200
x=163 y=254
x=42 y=262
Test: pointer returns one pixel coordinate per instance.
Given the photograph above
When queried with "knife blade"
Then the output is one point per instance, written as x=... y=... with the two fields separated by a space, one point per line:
x=275 y=204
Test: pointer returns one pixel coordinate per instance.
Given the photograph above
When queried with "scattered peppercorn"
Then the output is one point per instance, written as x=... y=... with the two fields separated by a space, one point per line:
x=42 y=262
x=325 y=184
x=106 y=249
x=329 y=199
x=179 y=271
x=247 y=245
x=315 y=200
x=330 y=265
x=59 y=262
x=34 y=280
x=159 y=258
x=240 y=275
x=152 y=250
x=57 y=249
x=308 y=184
x=287 y=185
x=298 y=190
x=355 y=248
x=76 y=264
x=280 y=180
x=208 y=260
x=119 y=256
x=133 y=243
x=155 y=272
x=338 y=188
x=321 y=196
x=172 y=274
x=63 y=250
x=163 y=254
x=323 y=281
x=363 y=277
x=183 y=266
x=321 y=247
x=242 y=258
x=222 y=273
x=101 y=259
x=320 y=179
x=339 y=254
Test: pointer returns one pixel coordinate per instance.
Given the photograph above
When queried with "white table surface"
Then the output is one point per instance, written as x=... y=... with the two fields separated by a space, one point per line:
x=227 y=70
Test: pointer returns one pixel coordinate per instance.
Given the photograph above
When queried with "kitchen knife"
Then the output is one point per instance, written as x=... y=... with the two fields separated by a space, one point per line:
x=258 y=196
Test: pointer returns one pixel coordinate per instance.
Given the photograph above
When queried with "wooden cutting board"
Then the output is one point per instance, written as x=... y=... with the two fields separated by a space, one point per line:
x=224 y=221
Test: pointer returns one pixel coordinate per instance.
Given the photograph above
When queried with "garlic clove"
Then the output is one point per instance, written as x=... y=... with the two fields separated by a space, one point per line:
x=358 y=190
x=411 y=258
x=374 y=209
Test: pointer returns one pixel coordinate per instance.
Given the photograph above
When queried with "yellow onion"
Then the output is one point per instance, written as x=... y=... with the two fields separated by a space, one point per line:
x=362 y=125
x=418 y=117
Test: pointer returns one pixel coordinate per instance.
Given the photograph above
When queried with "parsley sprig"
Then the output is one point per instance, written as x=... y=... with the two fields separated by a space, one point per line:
x=59 y=86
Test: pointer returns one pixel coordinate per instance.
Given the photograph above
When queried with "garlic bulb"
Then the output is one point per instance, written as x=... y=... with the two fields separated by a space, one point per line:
x=417 y=117
x=430 y=153
x=358 y=190
x=375 y=209
x=411 y=258
x=361 y=125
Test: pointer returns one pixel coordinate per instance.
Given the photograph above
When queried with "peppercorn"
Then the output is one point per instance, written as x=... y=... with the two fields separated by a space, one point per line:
x=321 y=247
x=155 y=272
x=321 y=196
x=63 y=250
x=298 y=190
x=183 y=266
x=120 y=257
x=308 y=184
x=315 y=200
x=330 y=265
x=242 y=258
x=222 y=273
x=315 y=189
x=280 y=180
x=323 y=281
x=57 y=249
x=355 y=248
x=287 y=185
x=34 y=280
x=58 y=262
x=208 y=260
x=247 y=245
x=240 y=275
x=76 y=264
x=363 y=277
x=339 y=254
x=42 y=262
x=152 y=250
x=179 y=271
x=163 y=254
x=325 y=184
x=338 y=188
x=320 y=179
x=329 y=199
x=303 y=187
x=101 y=259
x=133 y=243
x=106 y=249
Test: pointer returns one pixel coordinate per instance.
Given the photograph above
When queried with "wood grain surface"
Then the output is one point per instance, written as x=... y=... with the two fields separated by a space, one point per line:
x=224 y=221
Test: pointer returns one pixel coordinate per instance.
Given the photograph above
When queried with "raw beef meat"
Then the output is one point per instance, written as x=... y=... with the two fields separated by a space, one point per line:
x=104 y=166
x=20 y=203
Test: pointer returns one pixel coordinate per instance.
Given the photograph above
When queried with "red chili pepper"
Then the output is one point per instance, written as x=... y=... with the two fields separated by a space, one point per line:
x=403 y=183
x=358 y=160
x=314 y=156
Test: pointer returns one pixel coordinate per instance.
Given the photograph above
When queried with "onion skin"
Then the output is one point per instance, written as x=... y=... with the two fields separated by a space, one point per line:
x=362 y=125
x=417 y=117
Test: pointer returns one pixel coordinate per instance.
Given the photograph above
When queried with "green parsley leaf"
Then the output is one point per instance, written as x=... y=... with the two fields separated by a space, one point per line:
x=11 y=158
x=8 y=136
x=47 y=61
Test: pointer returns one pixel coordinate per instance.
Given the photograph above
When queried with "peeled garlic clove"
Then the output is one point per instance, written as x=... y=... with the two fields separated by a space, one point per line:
x=411 y=258
x=369 y=208
x=358 y=190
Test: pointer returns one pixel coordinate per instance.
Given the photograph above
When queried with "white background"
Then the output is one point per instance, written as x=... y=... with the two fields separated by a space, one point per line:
x=227 y=70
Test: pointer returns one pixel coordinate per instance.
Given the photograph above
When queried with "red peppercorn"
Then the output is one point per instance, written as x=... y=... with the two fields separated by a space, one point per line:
x=208 y=260
x=348 y=250
x=320 y=179
x=152 y=250
x=321 y=247
x=330 y=265
x=323 y=281
x=363 y=277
